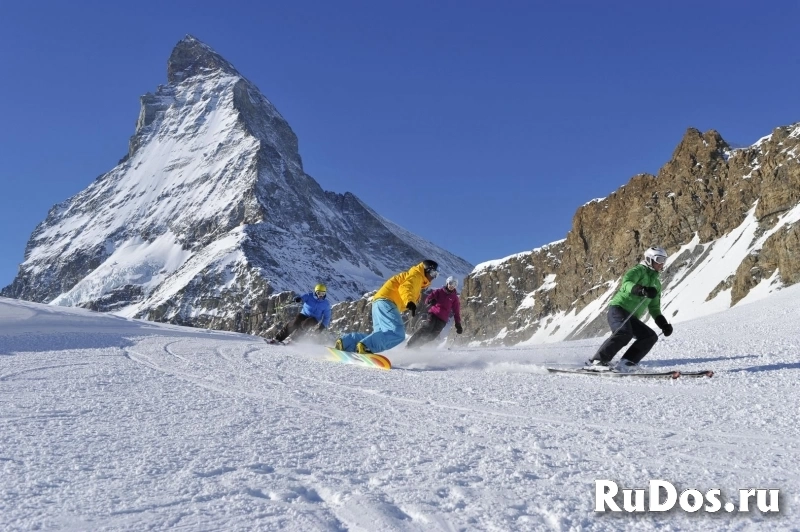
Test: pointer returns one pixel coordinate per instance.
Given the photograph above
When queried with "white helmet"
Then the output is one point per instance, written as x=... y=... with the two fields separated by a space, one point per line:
x=451 y=282
x=655 y=255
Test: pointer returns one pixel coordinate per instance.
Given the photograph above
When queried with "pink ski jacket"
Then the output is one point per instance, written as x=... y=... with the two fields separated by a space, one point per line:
x=445 y=302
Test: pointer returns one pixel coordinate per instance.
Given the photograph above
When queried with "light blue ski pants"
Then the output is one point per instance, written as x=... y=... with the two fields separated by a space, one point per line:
x=387 y=326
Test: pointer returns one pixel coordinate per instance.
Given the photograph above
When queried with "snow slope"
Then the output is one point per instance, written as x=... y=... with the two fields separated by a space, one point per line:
x=109 y=423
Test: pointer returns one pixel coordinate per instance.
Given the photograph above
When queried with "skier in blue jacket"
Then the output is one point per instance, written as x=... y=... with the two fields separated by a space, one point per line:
x=316 y=311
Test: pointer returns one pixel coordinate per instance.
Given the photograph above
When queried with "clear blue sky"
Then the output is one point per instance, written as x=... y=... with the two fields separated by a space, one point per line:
x=481 y=126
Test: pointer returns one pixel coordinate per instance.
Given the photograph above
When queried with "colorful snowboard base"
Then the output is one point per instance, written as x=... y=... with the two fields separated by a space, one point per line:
x=367 y=361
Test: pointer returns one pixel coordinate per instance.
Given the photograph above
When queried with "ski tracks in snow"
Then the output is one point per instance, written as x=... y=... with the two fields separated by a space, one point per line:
x=495 y=442
x=212 y=431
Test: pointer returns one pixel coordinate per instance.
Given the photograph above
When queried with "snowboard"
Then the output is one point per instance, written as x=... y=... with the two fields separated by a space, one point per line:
x=372 y=360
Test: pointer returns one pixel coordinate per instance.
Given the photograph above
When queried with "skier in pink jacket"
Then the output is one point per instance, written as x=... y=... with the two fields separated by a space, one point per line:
x=442 y=302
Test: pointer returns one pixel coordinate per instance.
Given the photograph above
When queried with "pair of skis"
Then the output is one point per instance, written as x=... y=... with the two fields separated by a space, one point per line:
x=670 y=374
x=273 y=341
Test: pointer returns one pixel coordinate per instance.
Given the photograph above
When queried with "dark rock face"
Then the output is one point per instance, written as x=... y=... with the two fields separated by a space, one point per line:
x=210 y=220
x=190 y=57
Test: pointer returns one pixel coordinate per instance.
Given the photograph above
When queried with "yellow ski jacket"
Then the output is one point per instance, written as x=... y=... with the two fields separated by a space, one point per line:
x=404 y=287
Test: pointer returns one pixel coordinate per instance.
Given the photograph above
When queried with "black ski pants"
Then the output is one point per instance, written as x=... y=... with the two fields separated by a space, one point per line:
x=300 y=322
x=427 y=330
x=622 y=334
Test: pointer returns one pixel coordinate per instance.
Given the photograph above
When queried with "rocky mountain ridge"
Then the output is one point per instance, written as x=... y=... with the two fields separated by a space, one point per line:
x=730 y=220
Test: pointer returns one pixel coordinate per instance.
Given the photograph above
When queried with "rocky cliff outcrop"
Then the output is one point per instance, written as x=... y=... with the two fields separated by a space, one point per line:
x=702 y=198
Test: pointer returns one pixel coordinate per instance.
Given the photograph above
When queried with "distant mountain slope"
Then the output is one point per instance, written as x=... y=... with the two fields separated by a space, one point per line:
x=210 y=212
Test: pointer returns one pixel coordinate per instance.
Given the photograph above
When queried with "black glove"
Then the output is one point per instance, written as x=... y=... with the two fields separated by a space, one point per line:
x=298 y=299
x=412 y=307
x=459 y=330
x=320 y=327
x=661 y=321
x=644 y=291
x=432 y=302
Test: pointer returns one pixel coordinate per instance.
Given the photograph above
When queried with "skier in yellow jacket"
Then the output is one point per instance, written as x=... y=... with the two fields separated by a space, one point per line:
x=400 y=292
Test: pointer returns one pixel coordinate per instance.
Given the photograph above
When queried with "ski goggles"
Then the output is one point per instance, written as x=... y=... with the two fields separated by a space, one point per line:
x=660 y=259
x=320 y=294
x=432 y=273
x=452 y=284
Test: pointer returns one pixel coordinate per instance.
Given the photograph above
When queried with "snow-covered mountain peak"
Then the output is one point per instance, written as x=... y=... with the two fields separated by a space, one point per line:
x=210 y=209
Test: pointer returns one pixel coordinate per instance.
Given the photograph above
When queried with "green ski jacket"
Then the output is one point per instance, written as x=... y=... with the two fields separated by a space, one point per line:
x=644 y=276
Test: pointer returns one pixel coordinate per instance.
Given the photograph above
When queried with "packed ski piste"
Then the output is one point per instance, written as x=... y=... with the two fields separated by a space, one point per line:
x=639 y=292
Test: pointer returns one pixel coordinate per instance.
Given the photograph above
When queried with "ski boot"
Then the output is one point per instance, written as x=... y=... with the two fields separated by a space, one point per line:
x=597 y=365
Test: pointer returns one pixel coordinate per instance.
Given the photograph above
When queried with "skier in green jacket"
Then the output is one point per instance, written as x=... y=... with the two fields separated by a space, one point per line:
x=640 y=288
